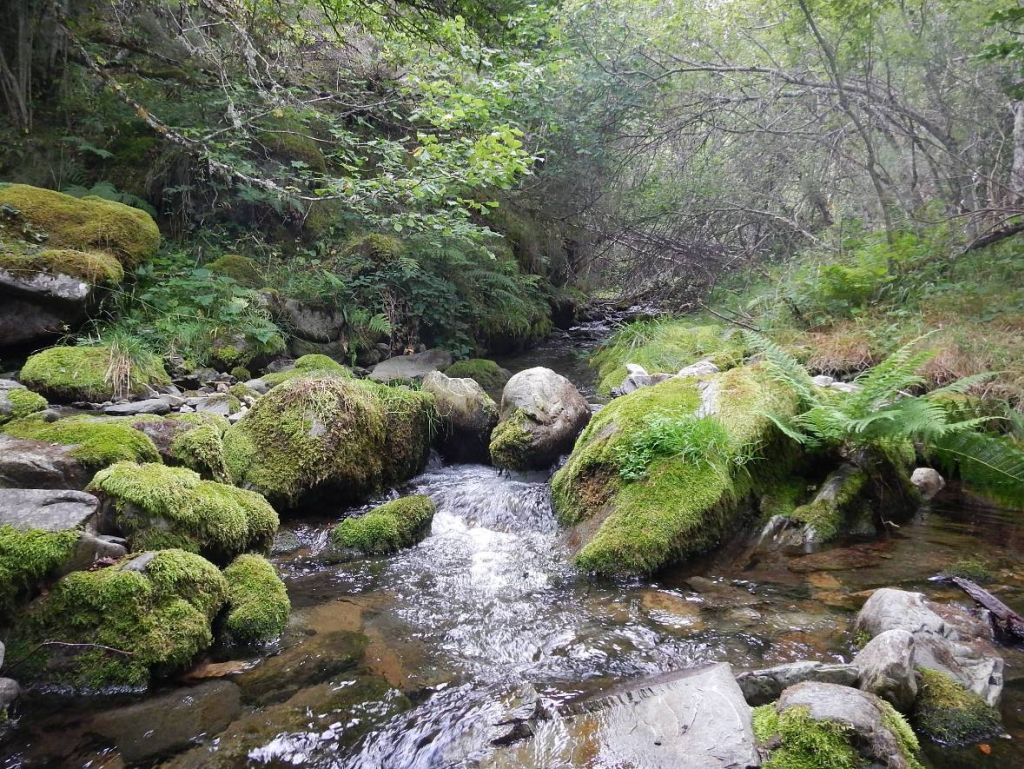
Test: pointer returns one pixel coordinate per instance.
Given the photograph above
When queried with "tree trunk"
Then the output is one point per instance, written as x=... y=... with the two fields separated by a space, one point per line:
x=1017 y=169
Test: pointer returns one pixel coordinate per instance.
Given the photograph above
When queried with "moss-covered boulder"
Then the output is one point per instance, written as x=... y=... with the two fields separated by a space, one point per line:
x=240 y=269
x=258 y=604
x=664 y=473
x=92 y=373
x=97 y=441
x=121 y=626
x=951 y=714
x=27 y=558
x=316 y=437
x=388 y=528
x=155 y=506
x=192 y=440
x=467 y=415
x=314 y=364
x=16 y=401
x=486 y=373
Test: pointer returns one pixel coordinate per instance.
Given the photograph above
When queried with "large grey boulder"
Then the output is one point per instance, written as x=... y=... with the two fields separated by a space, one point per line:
x=763 y=686
x=467 y=414
x=9 y=692
x=946 y=638
x=886 y=668
x=690 y=719
x=313 y=324
x=28 y=464
x=411 y=367
x=542 y=414
x=38 y=305
x=862 y=713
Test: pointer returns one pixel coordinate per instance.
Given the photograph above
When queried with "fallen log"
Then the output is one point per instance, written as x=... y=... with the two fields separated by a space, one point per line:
x=1005 y=619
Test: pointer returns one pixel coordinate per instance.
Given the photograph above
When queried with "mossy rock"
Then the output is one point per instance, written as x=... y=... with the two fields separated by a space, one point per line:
x=258 y=604
x=84 y=373
x=232 y=351
x=121 y=626
x=97 y=441
x=948 y=713
x=240 y=269
x=312 y=437
x=96 y=267
x=665 y=346
x=512 y=442
x=85 y=224
x=313 y=364
x=388 y=528
x=19 y=402
x=201 y=448
x=486 y=373
x=635 y=509
x=155 y=506
x=27 y=558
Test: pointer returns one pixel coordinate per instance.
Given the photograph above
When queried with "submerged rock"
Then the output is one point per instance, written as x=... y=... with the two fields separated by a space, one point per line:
x=542 y=413
x=467 y=414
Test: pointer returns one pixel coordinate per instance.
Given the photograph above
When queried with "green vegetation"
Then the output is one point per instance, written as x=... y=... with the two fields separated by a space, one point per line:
x=96 y=267
x=486 y=373
x=258 y=604
x=829 y=515
x=27 y=558
x=20 y=403
x=95 y=372
x=97 y=441
x=238 y=268
x=306 y=366
x=126 y=626
x=156 y=507
x=950 y=714
x=389 y=528
x=511 y=442
x=201 y=448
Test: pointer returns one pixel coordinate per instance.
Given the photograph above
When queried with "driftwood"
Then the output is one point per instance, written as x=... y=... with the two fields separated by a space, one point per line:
x=1005 y=619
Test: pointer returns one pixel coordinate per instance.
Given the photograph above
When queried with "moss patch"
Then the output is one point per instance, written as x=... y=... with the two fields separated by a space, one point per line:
x=486 y=373
x=91 y=373
x=97 y=441
x=127 y=625
x=511 y=442
x=202 y=449
x=86 y=223
x=950 y=714
x=258 y=604
x=827 y=514
x=313 y=436
x=239 y=268
x=96 y=267
x=27 y=558
x=804 y=743
x=313 y=364
x=389 y=528
x=156 y=506
x=19 y=403
x=635 y=520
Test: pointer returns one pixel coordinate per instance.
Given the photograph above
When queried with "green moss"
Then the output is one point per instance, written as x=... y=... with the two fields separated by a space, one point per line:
x=971 y=568
x=316 y=435
x=157 y=506
x=665 y=346
x=240 y=269
x=96 y=267
x=308 y=365
x=89 y=372
x=389 y=528
x=782 y=497
x=202 y=449
x=86 y=223
x=679 y=507
x=27 y=558
x=511 y=442
x=126 y=625
x=258 y=604
x=900 y=728
x=950 y=714
x=241 y=373
x=97 y=441
x=20 y=403
x=828 y=516
x=486 y=373
x=800 y=742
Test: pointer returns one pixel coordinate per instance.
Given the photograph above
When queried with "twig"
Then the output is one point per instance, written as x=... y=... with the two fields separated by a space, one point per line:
x=739 y=323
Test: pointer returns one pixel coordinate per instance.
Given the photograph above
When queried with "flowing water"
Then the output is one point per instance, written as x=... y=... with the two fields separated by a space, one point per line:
x=487 y=614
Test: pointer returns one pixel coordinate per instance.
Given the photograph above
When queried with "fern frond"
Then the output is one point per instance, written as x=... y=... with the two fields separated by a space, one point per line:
x=784 y=368
x=987 y=463
x=963 y=385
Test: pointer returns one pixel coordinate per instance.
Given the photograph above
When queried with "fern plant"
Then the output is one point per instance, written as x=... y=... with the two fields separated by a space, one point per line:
x=883 y=416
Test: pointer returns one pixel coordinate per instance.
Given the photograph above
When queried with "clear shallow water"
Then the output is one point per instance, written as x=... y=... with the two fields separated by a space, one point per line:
x=487 y=614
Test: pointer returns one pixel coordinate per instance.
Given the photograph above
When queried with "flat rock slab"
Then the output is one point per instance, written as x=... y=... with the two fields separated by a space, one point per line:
x=411 y=367
x=693 y=719
x=147 y=406
x=47 y=509
x=27 y=464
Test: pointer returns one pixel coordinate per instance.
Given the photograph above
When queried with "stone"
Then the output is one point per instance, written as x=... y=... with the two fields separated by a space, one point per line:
x=40 y=305
x=542 y=413
x=132 y=408
x=689 y=719
x=3 y=650
x=29 y=464
x=169 y=723
x=766 y=685
x=823 y=380
x=9 y=692
x=468 y=416
x=411 y=367
x=47 y=509
x=703 y=367
x=946 y=638
x=314 y=324
x=928 y=482
x=637 y=377
x=861 y=712
x=221 y=404
x=886 y=668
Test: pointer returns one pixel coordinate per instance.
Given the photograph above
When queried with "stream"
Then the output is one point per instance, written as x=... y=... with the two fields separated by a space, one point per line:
x=488 y=611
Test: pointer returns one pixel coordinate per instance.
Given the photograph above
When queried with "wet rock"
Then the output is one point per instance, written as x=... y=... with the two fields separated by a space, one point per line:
x=285 y=542
x=946 y=638
x=691 y=719
x=169 y=723
x=133 y=408
x=29 y=464
x=928 y=482
x=864 y=714
x=886 y=667
x=719 y=594
x=47 y=509
x=766 y=685
x=9 y=692
x=672 y=610
x=411 y=367
x=838 y=559
x=542 y=413
x=467 y=413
